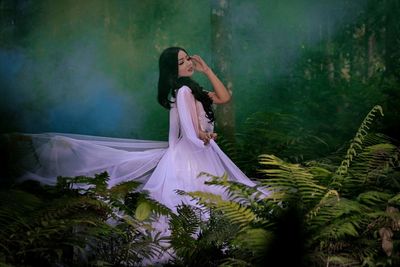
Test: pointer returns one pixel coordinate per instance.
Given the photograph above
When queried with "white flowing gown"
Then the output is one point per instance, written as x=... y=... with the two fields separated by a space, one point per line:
x=162 y=167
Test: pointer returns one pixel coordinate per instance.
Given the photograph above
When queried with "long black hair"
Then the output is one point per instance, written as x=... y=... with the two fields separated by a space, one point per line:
x=169 y=82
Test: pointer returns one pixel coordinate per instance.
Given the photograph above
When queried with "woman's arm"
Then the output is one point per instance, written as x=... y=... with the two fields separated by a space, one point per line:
x=188 y=118
x=220 y=95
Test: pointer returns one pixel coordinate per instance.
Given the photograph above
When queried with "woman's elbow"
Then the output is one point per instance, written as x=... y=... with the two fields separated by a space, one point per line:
x=219 y=99
x=224 y=100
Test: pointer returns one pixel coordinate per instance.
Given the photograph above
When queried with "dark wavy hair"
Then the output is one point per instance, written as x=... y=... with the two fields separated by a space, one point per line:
x=169 y=82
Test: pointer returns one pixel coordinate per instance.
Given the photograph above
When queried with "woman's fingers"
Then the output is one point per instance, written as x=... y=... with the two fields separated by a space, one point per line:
x=207 y=136
x=196 y=58
x=196 y=61
x=204 y=137
x=199 y=63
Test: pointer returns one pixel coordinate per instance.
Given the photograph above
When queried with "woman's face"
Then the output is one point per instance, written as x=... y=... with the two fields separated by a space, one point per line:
x=185 y=65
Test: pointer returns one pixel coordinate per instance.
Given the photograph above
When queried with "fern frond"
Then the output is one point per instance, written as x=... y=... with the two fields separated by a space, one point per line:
x=341 y=260
x=394 y=200
x=374 y=198
x=355 y=144
x=339 y=230
x=234 y=262
x=184 y=226
x=218 y=230
x=119 y=191
x=236 y=191
x=321 y=173
x=289 y=181
x=234 y=211
x=253 y=239
x=372 y=170
x=333 y=208
x=329 y=199
x=125 y=244
x=15 y=203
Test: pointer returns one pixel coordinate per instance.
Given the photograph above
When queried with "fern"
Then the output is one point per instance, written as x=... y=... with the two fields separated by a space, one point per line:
x=234 y=211
x=234 y=262
x=236 y=191
x=125 y=244
x=395 y=200
x=374 y=198
x=198 y=242
x=75 y=216
x=289 y=182
x=255 y=240
x=355 y=144
x=342 y=209
x=372 y=168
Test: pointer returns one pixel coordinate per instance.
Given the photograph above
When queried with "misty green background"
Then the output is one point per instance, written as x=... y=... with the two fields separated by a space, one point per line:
x=91 y=66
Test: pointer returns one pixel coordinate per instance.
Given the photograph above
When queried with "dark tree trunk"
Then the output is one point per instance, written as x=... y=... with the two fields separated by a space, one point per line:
x=392 y=41
x=221 y=40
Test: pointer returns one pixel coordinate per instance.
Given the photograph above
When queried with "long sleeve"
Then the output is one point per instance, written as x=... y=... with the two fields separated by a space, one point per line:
x=173 y=136
x=188 y=118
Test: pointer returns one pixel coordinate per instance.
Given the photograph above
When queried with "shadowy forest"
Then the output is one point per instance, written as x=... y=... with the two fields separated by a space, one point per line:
x=321 y=133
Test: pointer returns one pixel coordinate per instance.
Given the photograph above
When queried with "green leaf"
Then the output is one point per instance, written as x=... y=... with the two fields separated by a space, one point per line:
x=143 y=211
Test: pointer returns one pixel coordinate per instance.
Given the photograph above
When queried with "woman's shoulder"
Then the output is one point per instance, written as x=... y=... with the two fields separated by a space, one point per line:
x=184 y=89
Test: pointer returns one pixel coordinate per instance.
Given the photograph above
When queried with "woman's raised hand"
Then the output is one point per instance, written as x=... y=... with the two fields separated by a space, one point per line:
x=199 y=64
x=221 y=95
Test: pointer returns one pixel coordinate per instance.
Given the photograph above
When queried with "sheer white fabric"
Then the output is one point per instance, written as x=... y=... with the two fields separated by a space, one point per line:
x=72 y=155
x=162 y=167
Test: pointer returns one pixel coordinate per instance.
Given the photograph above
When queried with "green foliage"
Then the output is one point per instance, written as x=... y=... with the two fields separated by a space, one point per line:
x=285 y=177
x=342 y=218
x=308 y=214
x=307 y=210
x=274 y=133
x=235 y=212
x=200 y=236
x=355 y=144
x=41 y=230
x=75 y=223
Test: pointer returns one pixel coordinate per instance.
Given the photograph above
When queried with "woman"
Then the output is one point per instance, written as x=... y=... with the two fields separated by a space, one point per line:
x=192 y=148
x=162 y=169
